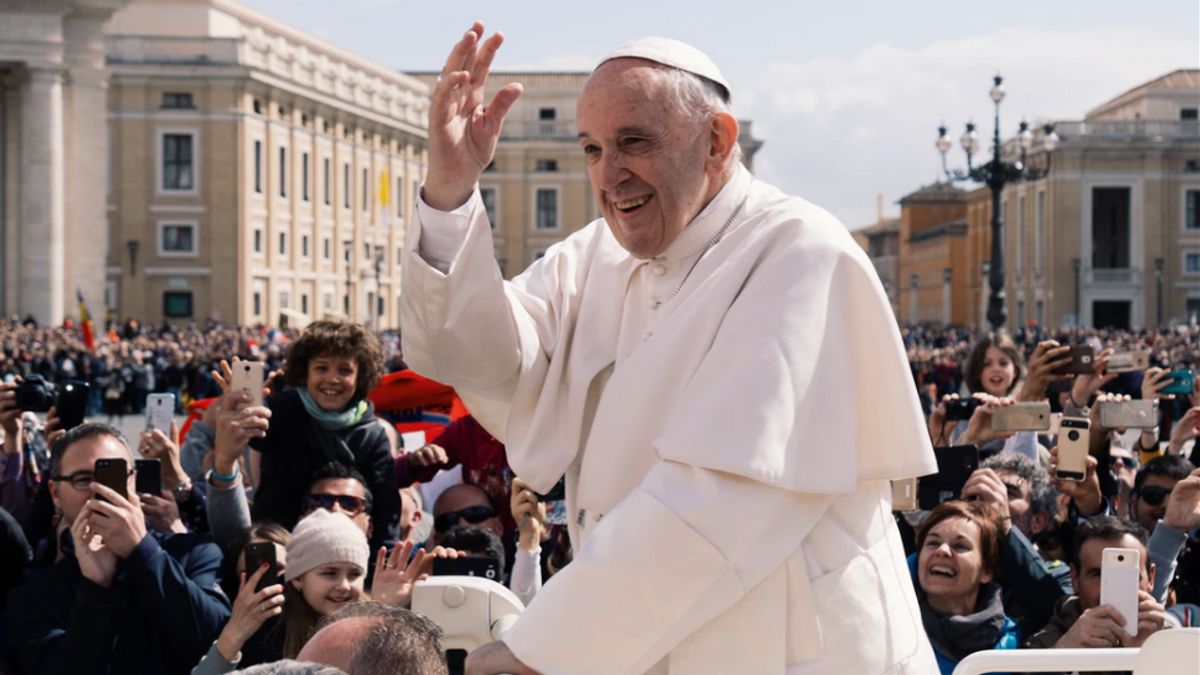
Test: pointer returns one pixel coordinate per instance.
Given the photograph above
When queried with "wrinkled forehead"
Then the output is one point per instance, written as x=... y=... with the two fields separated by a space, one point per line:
x=82 y=454
x=460 y=497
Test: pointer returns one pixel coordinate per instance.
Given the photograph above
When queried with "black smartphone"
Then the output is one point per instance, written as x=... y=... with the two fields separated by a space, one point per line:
x=487 y=568
x=556 y=493
x=113 y=474
x=71 y=404
x=961 y=408
x=149 y=476
x=257 y=553
x=955 y=463
x=1083 y=361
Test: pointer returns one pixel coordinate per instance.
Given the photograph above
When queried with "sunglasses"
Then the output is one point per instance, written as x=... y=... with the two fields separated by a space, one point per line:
x=1153 y=494
x=1129 y=462
x=472 y=514
x=348 y=504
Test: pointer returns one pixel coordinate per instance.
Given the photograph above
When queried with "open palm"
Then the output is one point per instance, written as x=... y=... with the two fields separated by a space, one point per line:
x=395 y=575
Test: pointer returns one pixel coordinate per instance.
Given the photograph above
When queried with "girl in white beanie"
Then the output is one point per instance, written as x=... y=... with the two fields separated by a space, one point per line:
x=327 y=566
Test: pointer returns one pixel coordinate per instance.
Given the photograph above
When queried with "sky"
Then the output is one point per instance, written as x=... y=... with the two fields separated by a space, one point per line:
x=847 y=96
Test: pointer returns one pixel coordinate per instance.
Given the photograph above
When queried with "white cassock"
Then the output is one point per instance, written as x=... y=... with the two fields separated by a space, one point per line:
x=727 y=441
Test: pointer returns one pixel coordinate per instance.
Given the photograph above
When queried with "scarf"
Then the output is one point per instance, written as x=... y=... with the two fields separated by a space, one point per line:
x=332 y=421
x=957 y=635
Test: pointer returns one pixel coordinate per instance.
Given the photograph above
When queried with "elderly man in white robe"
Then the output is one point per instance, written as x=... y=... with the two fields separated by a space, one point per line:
x=712 y=365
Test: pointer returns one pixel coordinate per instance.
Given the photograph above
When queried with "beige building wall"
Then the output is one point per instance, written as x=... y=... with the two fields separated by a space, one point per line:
x=304 y=160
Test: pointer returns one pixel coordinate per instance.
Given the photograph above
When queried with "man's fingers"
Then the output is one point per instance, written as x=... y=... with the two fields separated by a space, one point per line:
x=501 y=102
x=482 y=62
x=464 y=46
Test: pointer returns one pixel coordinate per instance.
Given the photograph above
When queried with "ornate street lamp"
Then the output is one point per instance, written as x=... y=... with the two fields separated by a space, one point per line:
x=995 y=174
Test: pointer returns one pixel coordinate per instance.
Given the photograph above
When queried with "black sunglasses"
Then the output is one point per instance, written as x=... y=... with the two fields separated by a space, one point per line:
x=1153 y=494
x=472 y=514
x=1129 y=462
x=349 y=504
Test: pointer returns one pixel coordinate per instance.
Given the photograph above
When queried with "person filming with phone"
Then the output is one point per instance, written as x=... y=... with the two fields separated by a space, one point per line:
x=119 y=598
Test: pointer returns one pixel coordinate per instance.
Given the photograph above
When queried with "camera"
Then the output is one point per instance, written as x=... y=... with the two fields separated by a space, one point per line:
x=1073 y=435
x=35 y=394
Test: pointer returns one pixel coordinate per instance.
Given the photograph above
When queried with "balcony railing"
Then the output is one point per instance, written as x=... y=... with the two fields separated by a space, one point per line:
x=1127 y=128
x=539 y=129
x=1116 y=276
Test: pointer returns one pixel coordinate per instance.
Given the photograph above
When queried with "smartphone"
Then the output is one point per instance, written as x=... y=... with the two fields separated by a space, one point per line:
x=904 y=494
x=71 y=404
x=1139 y=414
x=486 y=568
x=113 y=474
x=1182 y=382
x=257 y=553
x=1072 y=448
x=160 y=409
x=149 y=476
x=1083 y=361
x=1128 y=362
x=248 y=378
x=955 y=463
x=1120 y=571
x=556 y=493
x=1024 y=416
x=961 y=408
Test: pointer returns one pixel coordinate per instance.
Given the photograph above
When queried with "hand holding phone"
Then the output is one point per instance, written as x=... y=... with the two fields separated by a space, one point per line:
x=259 y=553
x=1183 y=382
x=149 y=476
x=1073 y=439
x=1083 y=361
x=1120 y=571
x=112 y=473
x=160 y=409
x=247 y=378
x=71 y=404
x=955 y=463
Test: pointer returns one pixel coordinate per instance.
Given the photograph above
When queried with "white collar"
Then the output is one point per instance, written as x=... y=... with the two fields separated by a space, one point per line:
x=711 y=219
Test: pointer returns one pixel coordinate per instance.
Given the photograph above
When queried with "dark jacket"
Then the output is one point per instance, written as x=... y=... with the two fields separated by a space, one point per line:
x=164 y=609
x=1031 y=584
x=295 y=447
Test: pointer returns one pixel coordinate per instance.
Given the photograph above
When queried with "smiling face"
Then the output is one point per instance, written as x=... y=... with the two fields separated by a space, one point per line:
x=998 y=372
x=331 y=381
x=329 y=588
x=950 y=562
x=649 y=164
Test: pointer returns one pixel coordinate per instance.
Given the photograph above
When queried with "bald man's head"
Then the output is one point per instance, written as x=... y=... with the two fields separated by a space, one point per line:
x=370 y=638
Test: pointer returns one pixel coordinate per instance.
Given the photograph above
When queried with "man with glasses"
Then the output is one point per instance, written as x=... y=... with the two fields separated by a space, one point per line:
x=337 y=487
x=464 y=504
x=119 y=598
x=1164 y=501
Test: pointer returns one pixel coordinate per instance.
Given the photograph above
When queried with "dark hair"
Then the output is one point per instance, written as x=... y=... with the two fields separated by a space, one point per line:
x=475 y=540
x=1043 y=497
x=269 y=531
x=984 y=518
x=973 y=370
x=398 y=640
x=1109 y=528
x=332 y=338
x=1171 y=466
x=80 y=433
x=335 y=471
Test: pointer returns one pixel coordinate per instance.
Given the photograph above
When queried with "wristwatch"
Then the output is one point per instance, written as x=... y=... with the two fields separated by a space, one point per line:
x=183 y=491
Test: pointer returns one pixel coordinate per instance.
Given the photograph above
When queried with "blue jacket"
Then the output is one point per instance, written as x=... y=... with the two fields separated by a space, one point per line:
x=164 y=609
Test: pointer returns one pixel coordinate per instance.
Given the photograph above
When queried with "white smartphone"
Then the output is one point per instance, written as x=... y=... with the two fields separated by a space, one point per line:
x=1119 y=575
x=1072 y=448
x=160 y=408
x=904 y=494
x=248 y=378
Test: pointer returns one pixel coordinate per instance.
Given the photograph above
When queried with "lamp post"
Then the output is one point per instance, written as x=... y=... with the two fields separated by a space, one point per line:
x=378 y=308
x=133 y=245
x=1158 y=279
x=995 y=174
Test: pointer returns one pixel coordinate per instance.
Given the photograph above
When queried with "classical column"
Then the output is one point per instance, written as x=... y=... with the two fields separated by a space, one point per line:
x=40 y=280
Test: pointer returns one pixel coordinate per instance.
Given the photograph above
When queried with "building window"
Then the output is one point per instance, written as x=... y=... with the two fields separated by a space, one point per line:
x=282 y=244
x=366 y=188
x=1020 y=234
x=399 y=194
x=327 y=301
x=177 y=162
x=1192 y=207
x=1191 y=263
x=285 y=300
x=346 y=304
x=258 y=167
x=258 y=241
x=547 y=209
x=346 y=185
x=257 y=111
x=1189 y=114
x=546 y=165
x=282 y=172
x=325 y=179
x=546 y=114
x=257 y=303
x=304 y=176
x=177 y=99
x=177 y=304
x=304 y=246
x=176 y=239
x=1191 y=166
x=326 y=245
x=1110 y=227
x=1041 y=313
x=488 y=195
x=1039 y=250
x=304 y=303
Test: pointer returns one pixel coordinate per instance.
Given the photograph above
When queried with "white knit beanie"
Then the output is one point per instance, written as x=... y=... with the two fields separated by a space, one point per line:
x=322 y=538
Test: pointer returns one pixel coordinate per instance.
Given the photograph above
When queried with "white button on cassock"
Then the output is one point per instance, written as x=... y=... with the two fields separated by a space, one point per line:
x=659 y=269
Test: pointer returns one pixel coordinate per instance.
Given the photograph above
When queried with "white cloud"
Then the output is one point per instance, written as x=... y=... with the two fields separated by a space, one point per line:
x=840 y=130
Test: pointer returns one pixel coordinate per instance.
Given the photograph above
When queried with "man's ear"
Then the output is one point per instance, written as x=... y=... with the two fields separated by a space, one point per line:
x=723 y=136
x=54 y=494
x=1150 y=573
x=1038 y=522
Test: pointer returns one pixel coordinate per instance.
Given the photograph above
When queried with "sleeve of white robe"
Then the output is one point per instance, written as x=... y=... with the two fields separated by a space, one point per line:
x=679 y=551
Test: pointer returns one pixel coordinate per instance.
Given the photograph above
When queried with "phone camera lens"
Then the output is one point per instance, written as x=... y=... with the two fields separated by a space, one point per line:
x=1120 y=558
x=1073 y=435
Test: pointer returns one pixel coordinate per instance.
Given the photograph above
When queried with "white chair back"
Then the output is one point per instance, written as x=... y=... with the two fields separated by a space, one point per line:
x=1173 y=651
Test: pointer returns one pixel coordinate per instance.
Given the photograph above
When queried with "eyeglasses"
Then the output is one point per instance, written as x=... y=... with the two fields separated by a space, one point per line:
x=472 y=514
x=1129 y=462
x=1153 y=494
x=348 y=504
x=82 y=480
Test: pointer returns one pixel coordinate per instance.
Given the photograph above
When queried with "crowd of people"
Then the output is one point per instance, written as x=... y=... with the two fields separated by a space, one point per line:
x=98 y=579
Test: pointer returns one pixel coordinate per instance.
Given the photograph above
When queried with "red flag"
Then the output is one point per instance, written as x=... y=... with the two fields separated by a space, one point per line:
x=85 y=323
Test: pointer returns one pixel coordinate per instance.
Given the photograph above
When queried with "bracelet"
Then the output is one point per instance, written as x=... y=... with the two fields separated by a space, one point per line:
x=237 y=471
